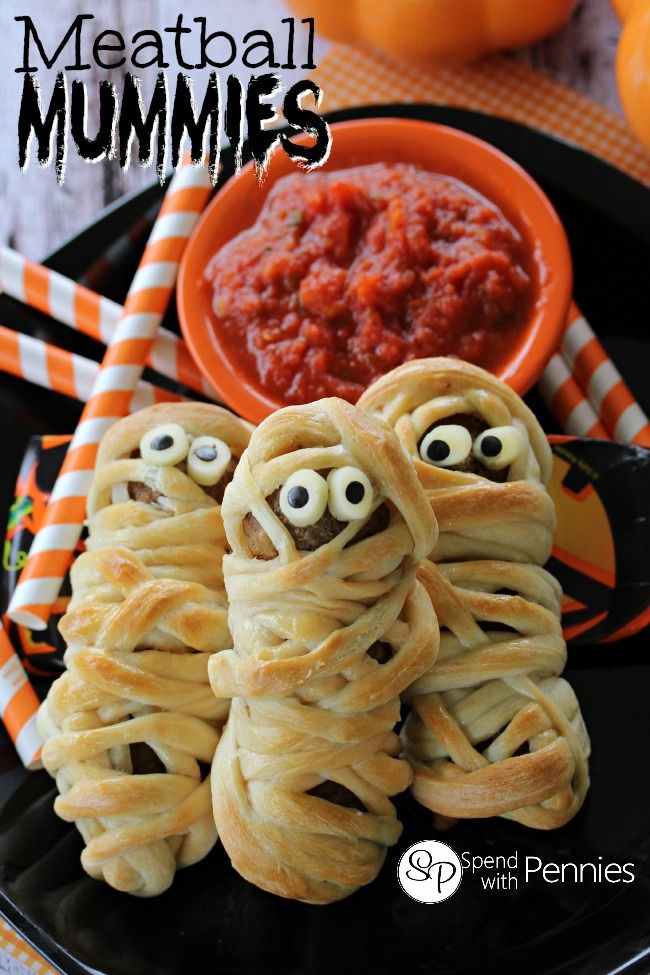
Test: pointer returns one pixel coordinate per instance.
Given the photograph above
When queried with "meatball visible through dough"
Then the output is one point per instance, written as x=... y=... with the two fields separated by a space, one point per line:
x=475 y=425
x=311 y=537
x=142 y=492
x=337 y=794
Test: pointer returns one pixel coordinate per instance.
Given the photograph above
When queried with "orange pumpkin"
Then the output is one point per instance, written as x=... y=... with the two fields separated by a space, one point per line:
x=436 y=32
x=622 y=7
x=633 y=64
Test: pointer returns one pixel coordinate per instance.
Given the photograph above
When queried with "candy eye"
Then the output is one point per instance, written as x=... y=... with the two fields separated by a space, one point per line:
x=350 y=494
x=303 y=498
x=498 y=447
x=165 y=445
x=446 y=445
x=207 y=460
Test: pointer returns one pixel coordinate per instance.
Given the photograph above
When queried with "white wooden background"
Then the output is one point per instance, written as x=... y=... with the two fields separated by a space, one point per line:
x=36 y=215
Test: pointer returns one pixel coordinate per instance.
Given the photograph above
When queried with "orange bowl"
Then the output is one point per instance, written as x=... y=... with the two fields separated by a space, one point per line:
x=429 y=146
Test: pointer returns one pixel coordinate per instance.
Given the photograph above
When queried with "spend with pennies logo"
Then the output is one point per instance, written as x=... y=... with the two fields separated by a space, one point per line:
x=429 y=871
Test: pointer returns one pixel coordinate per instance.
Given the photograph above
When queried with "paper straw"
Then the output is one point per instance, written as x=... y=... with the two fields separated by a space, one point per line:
x=18 y=704
x=120 y=371
x=607 y=392
x=565 y=399
x=80 y=308
x=64 y=372
x=122 y=249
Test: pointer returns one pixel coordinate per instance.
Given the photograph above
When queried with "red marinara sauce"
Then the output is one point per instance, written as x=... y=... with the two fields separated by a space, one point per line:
x=347 y=274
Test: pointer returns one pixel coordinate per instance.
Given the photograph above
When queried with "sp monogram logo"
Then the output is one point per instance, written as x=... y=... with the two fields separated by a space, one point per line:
x=429 y=871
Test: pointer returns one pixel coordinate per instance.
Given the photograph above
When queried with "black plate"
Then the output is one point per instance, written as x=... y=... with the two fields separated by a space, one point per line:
x=211 y=921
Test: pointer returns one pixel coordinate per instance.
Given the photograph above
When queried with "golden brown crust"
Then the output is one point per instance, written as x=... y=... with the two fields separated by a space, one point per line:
x=494 y=730
x=477 y=517
x=419 y=382
x=148 y=607
x=311 y=705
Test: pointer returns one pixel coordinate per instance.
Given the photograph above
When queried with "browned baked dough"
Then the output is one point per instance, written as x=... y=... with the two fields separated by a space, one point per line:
x=324 y=642
x=132 y=725
x=477 y=517
x=493 y=730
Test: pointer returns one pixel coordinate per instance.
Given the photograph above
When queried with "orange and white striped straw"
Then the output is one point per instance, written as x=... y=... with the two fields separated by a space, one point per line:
x=121 y=369
x=18 y=704
x=567 y=402
x=80 y=308
x=65 y=372
x=607 y=392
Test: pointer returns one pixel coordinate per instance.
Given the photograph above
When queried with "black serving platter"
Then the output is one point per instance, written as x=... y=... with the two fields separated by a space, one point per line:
x=212 y=922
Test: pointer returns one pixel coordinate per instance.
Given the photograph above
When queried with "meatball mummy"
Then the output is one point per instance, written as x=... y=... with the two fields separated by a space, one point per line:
x=131 y=728
x=494 y=730
x=327 y=524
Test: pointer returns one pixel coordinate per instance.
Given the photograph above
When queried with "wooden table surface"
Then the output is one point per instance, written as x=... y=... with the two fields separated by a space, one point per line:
x=36 y=215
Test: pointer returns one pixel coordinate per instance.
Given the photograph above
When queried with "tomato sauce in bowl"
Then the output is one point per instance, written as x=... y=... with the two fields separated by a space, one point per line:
x=346 y=274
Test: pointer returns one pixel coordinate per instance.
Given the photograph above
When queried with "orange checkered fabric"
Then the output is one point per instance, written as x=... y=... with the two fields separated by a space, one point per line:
x=498 y=86
x=17 y=957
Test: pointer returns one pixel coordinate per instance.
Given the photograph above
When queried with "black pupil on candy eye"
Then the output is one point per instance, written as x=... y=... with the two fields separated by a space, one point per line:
x=491 y=446
x=207 y=452
x=438 y=450
x=163 y=442
x=354 y=492
x=297 y=497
